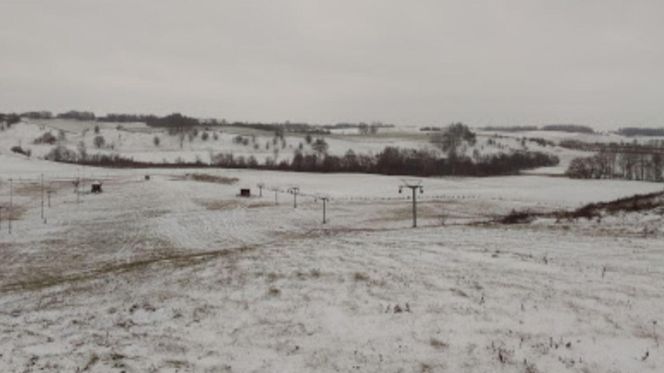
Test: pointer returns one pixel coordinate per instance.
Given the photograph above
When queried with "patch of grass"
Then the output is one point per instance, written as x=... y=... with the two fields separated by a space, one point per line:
x=438 y=344
x=174 y=260
x=93 y=360
x=518 y=217
x=635 y=203
x=214 y=179
x=180 y=364
x=214 y=205
x=459 y=292
x=16 y=212
x=425 y=368
x=27 y=189
x=359 y=276
x=207 y=178
x=638 y=202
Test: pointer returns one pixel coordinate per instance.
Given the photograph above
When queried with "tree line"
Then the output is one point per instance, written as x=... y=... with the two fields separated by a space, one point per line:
x=640 y=131
x=390 y=161
x=182 y=122
x=636 y=163
x=574 y=128
x=9 y=119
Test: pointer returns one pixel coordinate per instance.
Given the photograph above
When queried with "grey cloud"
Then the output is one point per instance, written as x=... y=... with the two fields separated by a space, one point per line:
x=421 y=62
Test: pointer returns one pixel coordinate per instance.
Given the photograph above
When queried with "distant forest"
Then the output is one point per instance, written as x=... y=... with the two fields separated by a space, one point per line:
x=180 y=121
x=573 y=128
x=641 y=131
x=9 y=119
x=177 y=121
x=510 y=128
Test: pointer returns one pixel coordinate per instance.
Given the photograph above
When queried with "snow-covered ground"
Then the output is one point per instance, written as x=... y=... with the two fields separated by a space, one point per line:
x=556 y=136
x=137 y=141
x=172 y=274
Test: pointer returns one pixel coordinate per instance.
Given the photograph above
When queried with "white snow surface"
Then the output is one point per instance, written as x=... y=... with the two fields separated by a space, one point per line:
x=176 y=275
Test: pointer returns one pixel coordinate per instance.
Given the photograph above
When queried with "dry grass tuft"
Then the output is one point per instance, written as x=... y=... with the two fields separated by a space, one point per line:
x=215 y=205
x=359 y=276
x=206 y=178
x=16 y=212
x=438 y=344
x=459 y=292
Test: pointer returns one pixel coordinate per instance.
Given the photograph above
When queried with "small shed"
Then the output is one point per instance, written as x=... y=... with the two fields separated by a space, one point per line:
x=95 y=187
x=245 y=192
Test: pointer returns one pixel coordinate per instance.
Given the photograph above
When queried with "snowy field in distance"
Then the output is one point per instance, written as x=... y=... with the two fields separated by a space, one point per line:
x=174 y=274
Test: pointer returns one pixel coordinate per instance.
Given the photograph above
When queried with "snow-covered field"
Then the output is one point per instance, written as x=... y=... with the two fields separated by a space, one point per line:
x=137 y=141
x=177 y=275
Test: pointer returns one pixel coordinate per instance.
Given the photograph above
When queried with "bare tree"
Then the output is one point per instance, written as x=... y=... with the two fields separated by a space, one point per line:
x=455 y=135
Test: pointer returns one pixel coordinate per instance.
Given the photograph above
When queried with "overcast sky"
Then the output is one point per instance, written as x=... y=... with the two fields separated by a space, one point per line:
x=596 y=62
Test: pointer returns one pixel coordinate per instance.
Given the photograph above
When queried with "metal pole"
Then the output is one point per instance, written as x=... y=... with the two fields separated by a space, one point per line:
x=49 y=197
x=294 y=191
x=414 y=186
x=324 y=203
x=11 y=204
x=42 y=196
x=78 y=184
x=414 y=207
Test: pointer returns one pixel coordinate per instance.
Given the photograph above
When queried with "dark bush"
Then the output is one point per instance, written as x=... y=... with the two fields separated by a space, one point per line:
x=77 y=115
x=574 y=128
x=517 y=217
x=61 y=153
x=20 y=150
x=46 y=138
x=99 y=142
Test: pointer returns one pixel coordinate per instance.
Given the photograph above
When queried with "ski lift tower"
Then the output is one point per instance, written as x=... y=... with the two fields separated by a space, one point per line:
x=294 y=190
x=414 y=186
x=325 y=200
